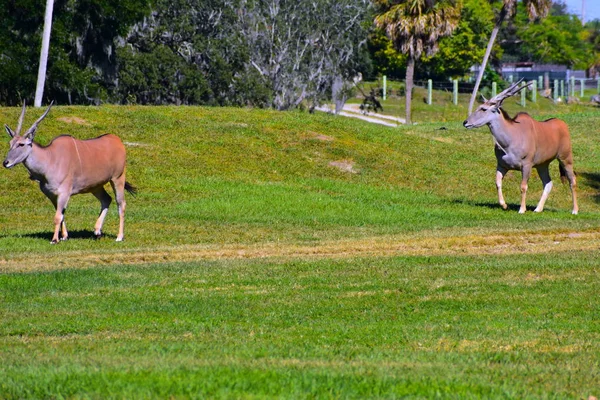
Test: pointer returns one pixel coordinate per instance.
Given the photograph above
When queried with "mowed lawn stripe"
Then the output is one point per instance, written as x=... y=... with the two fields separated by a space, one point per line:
x=380 y=246
x=491 y=326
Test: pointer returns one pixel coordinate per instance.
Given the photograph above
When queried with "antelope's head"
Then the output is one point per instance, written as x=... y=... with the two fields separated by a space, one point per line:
x=21 y=146
x=490 y=109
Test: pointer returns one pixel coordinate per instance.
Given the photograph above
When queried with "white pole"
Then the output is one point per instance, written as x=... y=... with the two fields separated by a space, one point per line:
x=41 y=80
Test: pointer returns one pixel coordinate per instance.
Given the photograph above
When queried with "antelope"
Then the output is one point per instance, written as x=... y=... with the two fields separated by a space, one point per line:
x=522 y=143
x=68 y=166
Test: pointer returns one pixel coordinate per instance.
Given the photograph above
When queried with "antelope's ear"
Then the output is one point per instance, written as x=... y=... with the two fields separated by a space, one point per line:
x=30 y=134
x=9 y=131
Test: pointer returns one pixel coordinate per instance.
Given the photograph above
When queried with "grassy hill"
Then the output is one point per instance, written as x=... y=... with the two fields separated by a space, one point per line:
x=291 y=255
x=218 y=175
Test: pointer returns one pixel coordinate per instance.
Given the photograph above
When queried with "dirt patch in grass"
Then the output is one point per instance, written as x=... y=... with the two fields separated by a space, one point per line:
x=74 y=120
x=324 y=138
x=344 y=166
x=523 y=243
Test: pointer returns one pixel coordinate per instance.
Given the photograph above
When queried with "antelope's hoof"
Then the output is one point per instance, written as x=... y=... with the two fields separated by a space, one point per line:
x=537 y=210
x=575 y=212
x=97 y=235
x=504 y=206
x=521 y=211
x=54 y=241
x=64 y=239
x=119 y=239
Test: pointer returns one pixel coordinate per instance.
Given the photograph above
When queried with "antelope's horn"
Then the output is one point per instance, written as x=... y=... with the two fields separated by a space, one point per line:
x=510 y=91
x=20 y=123
x=35 y=124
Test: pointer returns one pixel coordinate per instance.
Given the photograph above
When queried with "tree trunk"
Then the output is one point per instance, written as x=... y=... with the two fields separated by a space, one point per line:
x=410 y=71
x=488 y=51
x=486 y=57
x=41 y=80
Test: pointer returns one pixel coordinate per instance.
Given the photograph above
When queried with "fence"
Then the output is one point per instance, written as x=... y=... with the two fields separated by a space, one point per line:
x=554 y=89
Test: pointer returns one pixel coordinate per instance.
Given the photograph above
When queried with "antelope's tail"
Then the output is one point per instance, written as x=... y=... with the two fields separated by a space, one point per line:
x=130 y=188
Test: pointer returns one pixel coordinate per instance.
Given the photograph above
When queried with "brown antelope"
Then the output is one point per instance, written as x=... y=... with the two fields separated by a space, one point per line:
x=69 y=166
x=522 y=143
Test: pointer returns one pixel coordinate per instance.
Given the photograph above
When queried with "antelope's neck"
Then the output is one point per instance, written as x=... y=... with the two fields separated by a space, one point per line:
x=38 y=162
x=501 y=131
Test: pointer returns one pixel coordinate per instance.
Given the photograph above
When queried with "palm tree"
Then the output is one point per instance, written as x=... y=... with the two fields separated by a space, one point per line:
x=535 y=9
x=415 y=27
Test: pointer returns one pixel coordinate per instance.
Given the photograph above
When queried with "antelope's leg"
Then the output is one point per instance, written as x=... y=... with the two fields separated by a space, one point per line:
x=118 y=186
x=63 y=229
x=526 y=173
x=105 y=200
x=573 y=183
x=500 y=172
x=547 y=182
x=59 y=218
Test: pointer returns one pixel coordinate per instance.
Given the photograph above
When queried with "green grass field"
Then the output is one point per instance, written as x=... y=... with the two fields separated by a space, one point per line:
x=254 y=266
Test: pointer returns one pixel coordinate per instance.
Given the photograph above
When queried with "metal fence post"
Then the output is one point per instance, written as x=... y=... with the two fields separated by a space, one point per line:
x=455 y=92
x=555 y=89
x=540 y=81
x=429 y=91
x=494 y=88
x=572 y=86
x=562 y=89
x=582 y=87
x=598 y=86
x=523 y=94
x=534 y=91
x=384 y=87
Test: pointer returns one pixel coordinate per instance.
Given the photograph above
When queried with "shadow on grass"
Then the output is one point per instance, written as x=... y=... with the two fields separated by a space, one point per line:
x=592 y=180
x=496 y=206
x=75 y=234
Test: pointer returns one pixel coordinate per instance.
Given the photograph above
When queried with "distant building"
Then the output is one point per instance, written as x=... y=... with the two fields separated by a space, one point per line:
x=531 y=70
x=512 y=71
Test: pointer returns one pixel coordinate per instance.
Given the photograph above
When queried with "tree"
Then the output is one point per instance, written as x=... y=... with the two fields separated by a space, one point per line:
x=82 y=64
x=184 y=52
x=300 y=48
x=457 y=53
x=535 y=9
x=593 y=28
x=558 y=39
x=39 y=91
x=465 y=47
x=415 y=27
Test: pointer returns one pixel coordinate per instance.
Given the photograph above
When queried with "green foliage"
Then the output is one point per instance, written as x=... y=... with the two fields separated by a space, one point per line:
x=456 y=55
x=386 y=59
x=220 y=52
x=593 y=37
x=183 y=52
x=465 y=48
x=200 y=46
x=304 y=49
x=18 y=50
x=81 y=62
x=557 y=39
x=159 y=77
